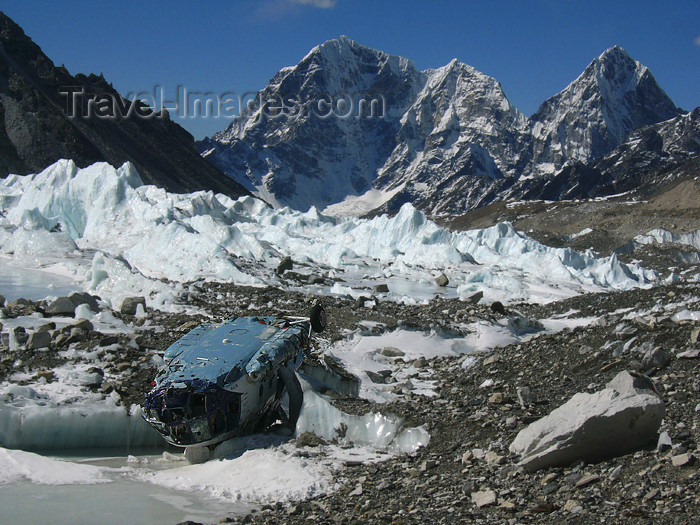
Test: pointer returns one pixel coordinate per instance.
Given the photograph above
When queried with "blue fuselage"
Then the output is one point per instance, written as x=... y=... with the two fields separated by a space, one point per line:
x=221 y=380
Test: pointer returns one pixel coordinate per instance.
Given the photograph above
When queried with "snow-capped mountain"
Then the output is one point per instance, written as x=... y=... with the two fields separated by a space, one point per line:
x=596 y=113
x=448 y=140
x=458 y=137
x=306 y=159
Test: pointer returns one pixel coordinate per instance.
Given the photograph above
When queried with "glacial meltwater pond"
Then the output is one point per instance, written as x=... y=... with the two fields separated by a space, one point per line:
x=115 y=496
x=32 y=284
x=94 y=486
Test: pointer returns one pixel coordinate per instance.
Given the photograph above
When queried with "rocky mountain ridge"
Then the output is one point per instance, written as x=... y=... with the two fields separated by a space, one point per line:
x=651 y=157
x=37 y=129
x=448 y=140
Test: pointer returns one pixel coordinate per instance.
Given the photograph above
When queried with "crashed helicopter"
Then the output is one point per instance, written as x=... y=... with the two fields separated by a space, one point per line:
x=223 y=380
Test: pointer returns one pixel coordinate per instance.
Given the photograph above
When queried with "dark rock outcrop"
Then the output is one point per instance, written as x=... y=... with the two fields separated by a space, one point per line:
x=36 y=128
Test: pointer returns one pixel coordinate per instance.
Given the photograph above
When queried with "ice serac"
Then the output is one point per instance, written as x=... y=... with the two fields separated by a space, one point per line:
x=62 y=416
x=622 y=417
x=121 y=238
x=596 y=113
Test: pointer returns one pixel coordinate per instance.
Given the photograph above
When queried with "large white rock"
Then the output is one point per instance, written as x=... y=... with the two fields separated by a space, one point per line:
x=622 y=417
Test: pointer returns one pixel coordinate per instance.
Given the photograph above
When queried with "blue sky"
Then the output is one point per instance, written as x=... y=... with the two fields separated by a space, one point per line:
x=534 y=48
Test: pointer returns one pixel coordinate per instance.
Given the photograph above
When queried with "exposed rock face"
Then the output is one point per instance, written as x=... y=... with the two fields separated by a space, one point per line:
x=622 y=417
x=650 y=157
x=307 y=159
x=595 y=113
x=37 y=131
x=448 y=140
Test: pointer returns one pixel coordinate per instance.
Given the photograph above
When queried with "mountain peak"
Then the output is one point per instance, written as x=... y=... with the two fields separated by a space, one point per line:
x=341 y=41
x=449 y=131
x=614 y=95
x=614 y=52
x=336 y=46
x=616 y=72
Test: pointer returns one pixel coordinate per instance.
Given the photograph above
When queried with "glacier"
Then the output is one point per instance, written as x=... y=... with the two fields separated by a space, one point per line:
x=662 y=236
x=117 y=237
x=102 y=230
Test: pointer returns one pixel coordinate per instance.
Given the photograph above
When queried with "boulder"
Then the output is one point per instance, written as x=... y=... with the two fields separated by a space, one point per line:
x=694 y=335
x=309 y=439
x=21 y=338
x=391 y=351
x=39 y=340
x=664 y=442
x=61 y=306
x=130 y=304
x=380 y=288
x=285 y=264
x=360 y=302
x=47 y=327
x=2 y=301
x=475 y=298
x=76 y=335
x=79 y=298
x=484 y=498
x=442 y=280
x=22 y=306
x=375 y=377
x=521 y=325
x=497 y=398
x=621 y=418
x=655 y=358
x=83 y=324
x=421 y=362
x=96 y=376
x=525 y=397
x=681 y=460
x=498 y=308
x=108 y=340
x=60 y=339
